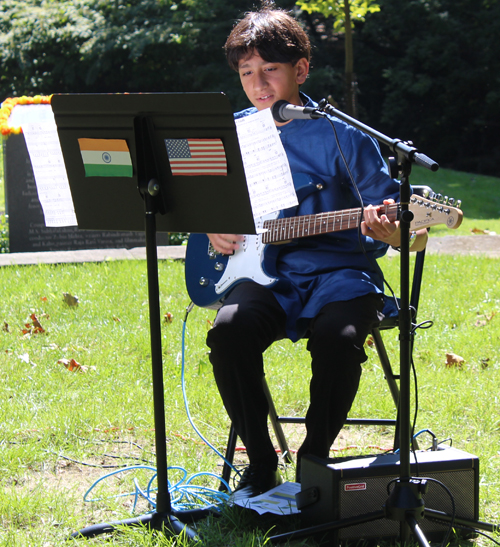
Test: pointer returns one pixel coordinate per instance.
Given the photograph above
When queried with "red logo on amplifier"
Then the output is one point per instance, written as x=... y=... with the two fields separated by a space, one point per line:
x=355 y=486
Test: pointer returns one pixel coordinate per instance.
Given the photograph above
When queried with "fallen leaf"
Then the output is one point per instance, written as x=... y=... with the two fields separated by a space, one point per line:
x=5 y=327
x=168 y=317
x=36 y=324
x=72 y=365
x=116 y=319
x=34 y=327
x=454 y=361
x=484 y=319
x=370 y=342
x=70 y=299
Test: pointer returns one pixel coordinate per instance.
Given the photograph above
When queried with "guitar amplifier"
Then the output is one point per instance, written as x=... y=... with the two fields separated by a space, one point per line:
x=340 y=488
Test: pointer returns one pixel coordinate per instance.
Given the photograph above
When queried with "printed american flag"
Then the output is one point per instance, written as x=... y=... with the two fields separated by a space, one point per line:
x=190 y=157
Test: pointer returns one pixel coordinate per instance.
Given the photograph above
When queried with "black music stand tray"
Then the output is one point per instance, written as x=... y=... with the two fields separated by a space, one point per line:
x=200 y=203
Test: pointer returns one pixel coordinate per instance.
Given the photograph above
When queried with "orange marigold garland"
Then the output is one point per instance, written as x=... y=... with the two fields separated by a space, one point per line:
x=8 y=106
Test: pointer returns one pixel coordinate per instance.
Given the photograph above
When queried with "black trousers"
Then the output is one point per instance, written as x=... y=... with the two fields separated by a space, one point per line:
x=247 y=324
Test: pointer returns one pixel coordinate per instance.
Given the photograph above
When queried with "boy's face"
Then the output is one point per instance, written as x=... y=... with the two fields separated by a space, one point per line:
x=265 y=83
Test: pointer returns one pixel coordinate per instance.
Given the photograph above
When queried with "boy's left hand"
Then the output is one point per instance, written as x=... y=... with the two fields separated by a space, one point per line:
x=380 y=227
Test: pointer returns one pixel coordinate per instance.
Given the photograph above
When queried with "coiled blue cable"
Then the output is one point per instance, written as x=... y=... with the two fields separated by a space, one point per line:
x=184 y=494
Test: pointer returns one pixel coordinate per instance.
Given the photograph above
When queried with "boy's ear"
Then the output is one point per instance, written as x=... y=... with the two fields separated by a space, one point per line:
x=302 y=67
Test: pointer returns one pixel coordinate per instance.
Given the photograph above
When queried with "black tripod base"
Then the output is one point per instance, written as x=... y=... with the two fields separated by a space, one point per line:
x=173 y=523
x=404 y=505
x=323 y=528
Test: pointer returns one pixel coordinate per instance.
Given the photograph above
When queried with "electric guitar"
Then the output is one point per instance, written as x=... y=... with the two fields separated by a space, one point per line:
x=211 y=275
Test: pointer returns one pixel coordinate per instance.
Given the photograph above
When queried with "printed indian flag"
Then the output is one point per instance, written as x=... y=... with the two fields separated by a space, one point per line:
x=106 y=157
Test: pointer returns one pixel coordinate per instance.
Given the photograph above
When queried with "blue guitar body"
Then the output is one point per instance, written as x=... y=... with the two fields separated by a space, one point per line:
x=210 y=275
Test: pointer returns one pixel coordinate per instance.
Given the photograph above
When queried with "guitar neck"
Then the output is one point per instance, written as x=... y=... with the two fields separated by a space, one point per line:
x=284 y=229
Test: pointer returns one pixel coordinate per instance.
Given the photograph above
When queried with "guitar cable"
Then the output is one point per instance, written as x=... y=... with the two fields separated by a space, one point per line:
x=185 y=398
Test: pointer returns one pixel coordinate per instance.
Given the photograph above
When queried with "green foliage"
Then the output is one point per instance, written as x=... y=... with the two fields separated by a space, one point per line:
x=426 y=71
x=335 y=8
x=120 y=46
x=440 y=85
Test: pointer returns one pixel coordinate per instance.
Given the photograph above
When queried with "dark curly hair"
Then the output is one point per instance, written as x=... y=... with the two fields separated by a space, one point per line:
x=273 y=33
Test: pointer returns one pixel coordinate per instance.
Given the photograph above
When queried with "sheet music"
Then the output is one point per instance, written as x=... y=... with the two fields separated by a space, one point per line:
x=269 y=179
x=44 y=149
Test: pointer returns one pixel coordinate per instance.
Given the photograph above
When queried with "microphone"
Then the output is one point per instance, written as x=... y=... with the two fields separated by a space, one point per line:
x=283 y=111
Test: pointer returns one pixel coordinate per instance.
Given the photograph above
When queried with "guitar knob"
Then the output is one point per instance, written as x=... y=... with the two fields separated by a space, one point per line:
x=219 y=266
x=203 y=281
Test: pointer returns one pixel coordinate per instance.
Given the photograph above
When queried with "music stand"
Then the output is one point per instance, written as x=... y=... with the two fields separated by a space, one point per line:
x=171 y=203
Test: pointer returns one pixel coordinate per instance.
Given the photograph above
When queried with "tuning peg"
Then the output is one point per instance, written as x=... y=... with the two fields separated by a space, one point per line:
x=451 y=202
x=459 y=203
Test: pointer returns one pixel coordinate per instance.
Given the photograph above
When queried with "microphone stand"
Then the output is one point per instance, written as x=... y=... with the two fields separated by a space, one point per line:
x=404 y=503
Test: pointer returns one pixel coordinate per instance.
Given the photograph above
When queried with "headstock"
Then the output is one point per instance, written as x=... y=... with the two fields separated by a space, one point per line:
x=435 y=209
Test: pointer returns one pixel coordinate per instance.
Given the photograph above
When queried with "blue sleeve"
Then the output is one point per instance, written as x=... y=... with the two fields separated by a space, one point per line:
x=368 y=167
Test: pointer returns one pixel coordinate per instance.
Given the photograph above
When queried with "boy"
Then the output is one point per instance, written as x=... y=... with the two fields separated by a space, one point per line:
x=332 y=290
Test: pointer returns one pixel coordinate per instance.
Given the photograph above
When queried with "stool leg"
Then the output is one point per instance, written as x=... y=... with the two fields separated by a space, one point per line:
x=230 y=450
x=386 y=365
x=275 y=422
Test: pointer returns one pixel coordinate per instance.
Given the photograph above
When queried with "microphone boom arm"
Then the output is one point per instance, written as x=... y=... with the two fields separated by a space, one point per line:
x=405 y=149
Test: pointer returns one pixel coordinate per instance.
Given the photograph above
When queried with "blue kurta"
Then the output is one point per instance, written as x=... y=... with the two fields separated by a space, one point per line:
x=314 y=271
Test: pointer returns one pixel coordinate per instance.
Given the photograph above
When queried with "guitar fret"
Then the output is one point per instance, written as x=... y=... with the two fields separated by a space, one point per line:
x=307 y=224
x=285 y=230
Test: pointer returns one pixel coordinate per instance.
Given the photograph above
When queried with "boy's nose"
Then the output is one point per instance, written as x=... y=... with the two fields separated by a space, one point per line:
x=261 y=81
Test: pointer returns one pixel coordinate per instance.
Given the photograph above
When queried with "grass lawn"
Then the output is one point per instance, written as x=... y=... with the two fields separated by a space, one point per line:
x=62 y=430
x=480 y=196
x=76 y=390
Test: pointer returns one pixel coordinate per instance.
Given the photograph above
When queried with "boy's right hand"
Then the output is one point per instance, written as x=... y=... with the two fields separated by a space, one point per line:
x=225 y=244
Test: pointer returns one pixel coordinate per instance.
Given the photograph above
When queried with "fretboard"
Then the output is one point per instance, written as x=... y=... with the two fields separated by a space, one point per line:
x=283 y=229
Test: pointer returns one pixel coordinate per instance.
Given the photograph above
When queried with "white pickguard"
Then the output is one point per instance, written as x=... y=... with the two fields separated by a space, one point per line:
x=246 y=262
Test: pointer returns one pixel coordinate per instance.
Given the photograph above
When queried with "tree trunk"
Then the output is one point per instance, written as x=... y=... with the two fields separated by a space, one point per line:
x=350 y=95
